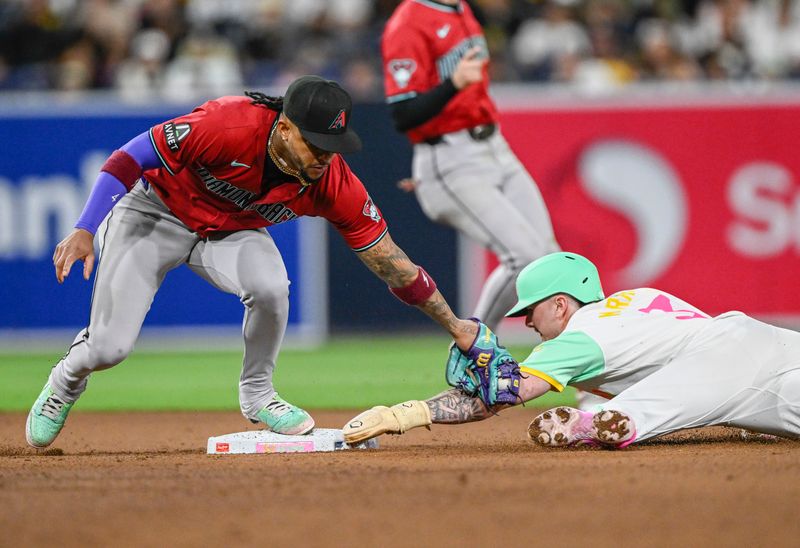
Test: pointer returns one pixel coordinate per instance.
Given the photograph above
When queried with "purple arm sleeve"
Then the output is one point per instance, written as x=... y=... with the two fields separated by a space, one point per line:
x=108 y=189
x=105 y=194
x=143 y=151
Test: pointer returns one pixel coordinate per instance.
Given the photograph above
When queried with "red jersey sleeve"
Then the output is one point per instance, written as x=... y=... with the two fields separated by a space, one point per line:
x=350 y=209
x=199 y=136
x=407 y=66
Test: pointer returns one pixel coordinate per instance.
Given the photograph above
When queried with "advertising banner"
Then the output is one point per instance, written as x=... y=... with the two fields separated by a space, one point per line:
x=49 y=162
x=698 y=200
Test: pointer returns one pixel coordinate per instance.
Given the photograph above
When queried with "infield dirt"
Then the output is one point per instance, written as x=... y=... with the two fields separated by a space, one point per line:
x=143 y=479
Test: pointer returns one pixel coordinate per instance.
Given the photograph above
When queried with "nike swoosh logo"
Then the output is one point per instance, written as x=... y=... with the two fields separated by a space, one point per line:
x=443 y=32
x=239 y=164
x=114 y=197
x=425 y=279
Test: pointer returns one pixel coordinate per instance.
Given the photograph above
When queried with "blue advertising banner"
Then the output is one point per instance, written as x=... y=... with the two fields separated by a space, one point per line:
x=50 y=159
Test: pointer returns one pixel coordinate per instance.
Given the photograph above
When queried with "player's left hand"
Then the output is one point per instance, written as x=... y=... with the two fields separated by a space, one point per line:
x=469 y=69
x=79 y=245
x=486 y=369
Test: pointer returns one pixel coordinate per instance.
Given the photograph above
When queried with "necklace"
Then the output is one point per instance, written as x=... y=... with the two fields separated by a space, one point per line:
x=282 y=165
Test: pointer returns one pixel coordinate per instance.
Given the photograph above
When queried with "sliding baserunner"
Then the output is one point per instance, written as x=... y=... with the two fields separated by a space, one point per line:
x=663 y=364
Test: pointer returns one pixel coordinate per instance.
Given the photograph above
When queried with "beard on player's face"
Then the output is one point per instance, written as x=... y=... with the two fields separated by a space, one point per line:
x=316 y=160
x=306 y=167
x=310 y=161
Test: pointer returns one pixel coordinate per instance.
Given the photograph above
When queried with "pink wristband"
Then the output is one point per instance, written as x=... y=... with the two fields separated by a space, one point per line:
x=417 y=291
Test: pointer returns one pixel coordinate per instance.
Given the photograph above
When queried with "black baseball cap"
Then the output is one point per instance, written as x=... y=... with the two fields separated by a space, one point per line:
x=320 y=108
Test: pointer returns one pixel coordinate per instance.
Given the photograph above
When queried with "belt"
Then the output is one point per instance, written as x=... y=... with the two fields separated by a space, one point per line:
x=477 y=133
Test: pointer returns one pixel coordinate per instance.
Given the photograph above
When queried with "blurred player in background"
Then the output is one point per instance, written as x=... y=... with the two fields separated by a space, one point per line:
x=464 y=173
x=664 y=365
x=199 y=189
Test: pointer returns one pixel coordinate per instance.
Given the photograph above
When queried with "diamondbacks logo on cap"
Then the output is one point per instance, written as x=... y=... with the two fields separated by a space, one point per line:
x=370 y=210
x=174 y=134
x=401 y=70
x=339 y=122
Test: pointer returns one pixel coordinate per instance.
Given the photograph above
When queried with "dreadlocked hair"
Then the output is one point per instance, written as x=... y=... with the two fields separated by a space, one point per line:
x=272 y=103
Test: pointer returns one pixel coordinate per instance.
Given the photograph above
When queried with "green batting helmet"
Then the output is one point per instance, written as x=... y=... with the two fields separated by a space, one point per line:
x=561 y=272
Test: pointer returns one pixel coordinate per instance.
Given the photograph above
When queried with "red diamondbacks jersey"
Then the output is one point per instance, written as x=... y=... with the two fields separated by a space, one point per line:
x=421 y=46
x=217 y=177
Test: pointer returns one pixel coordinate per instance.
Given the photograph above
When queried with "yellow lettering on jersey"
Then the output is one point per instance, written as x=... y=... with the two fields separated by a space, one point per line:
x=483 y=359
x=627 y=295
x=616 y=303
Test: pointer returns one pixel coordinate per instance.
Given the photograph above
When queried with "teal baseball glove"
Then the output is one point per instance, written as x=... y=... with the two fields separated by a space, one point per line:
x=486 y=370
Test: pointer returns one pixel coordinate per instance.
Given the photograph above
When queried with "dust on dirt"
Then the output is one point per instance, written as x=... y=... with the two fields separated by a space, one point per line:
x=134 y=479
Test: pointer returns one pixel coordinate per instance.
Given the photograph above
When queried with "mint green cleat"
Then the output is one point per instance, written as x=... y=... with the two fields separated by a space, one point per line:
x=46 y=419
x=284 y=418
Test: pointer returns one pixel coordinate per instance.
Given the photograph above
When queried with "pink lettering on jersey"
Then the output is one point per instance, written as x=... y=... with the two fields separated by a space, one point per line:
x=663 y=304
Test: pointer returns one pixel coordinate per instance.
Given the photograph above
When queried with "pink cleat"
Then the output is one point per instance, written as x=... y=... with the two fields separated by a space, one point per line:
x=569 y=427
x=614 y=428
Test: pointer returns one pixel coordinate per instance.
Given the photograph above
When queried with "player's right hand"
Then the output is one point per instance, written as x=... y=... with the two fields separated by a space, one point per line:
x=469 y=69
x=396 y=419
x=465 y=334
x=79 y=245
x=407 y=185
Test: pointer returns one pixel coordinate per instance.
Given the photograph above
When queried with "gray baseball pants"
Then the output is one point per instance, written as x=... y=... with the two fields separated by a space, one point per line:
x=481 y=189
x=141 y=242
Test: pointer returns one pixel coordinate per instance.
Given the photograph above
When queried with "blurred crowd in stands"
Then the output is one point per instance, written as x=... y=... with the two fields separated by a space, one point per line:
x=168 y=48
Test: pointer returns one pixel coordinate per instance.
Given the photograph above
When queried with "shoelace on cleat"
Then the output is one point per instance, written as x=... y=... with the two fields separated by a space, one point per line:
x=52 y=407
x=278 y=408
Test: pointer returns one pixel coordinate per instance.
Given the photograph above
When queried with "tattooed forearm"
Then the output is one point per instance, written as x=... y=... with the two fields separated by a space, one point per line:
x=453 y=407
x=392 y=265
x=389 y=263
x=438 y=309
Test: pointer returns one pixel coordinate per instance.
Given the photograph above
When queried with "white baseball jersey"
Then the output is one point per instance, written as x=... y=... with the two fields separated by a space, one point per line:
x=610 y=345
x=670 y=366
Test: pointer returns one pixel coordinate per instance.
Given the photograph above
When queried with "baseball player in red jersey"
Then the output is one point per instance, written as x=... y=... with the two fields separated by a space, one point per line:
x=465 y=175
x=199 y=189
